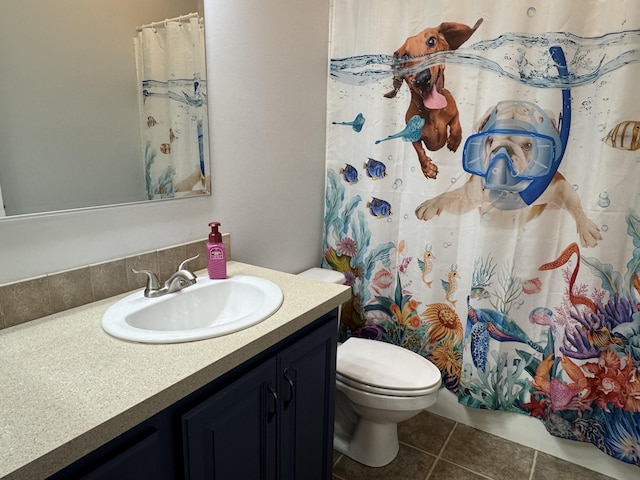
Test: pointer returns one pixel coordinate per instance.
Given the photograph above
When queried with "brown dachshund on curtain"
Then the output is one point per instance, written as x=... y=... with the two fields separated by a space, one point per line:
x=429 y=99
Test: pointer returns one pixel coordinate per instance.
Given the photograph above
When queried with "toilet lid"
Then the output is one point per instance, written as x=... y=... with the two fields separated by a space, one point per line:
x=384 y=368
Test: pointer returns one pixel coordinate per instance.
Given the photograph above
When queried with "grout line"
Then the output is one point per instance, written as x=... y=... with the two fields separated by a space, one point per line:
x=439 y=454
x=533 y=465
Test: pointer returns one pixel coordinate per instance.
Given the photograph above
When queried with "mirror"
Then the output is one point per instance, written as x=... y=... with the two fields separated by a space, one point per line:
x=71 y=128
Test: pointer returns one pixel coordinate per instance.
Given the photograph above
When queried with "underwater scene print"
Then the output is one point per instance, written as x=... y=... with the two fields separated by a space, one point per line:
x=491 y=223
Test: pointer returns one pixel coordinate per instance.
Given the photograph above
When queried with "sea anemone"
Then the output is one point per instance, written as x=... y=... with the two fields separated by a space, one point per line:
x=347 y=246
x=443 y=322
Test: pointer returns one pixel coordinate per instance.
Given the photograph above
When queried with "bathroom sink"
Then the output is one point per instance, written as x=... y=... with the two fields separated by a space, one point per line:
x=209 y=308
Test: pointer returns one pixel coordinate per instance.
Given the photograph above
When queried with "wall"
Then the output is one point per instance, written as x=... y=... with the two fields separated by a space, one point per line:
x=267 y=68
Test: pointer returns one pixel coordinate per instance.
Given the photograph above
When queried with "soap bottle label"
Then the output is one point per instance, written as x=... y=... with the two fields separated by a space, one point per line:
x=216 y=254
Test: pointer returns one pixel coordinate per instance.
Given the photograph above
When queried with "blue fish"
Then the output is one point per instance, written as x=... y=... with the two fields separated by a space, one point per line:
x=379 y=208
x=356 y=124
x=411 y=133
x=375 y=169
x=349 y=173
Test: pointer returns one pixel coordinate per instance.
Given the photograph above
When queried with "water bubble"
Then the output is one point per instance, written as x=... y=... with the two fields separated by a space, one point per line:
x=390 y=157
x=531 y=12
x=603 y=200
x=406 y=216
x=604 y=228
x=575 y=187
x=485 y=215
x=446 y=244
x=389 y=220
x=397 y=183
x=454 y=180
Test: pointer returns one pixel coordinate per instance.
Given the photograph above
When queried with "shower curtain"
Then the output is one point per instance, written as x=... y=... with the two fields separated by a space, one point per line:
x=170 y=63
x=482 y=199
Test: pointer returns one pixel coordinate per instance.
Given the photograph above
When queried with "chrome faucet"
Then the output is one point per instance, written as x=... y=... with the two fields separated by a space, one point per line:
x=182 y=279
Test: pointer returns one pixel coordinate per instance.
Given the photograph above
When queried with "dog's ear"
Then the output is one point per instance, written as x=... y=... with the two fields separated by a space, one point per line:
x=397 y=78
x=457 y=33
x=552 y=118
x=480 y=123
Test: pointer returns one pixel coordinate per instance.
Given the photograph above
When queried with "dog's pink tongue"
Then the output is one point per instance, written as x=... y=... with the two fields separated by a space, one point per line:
x=434 y=100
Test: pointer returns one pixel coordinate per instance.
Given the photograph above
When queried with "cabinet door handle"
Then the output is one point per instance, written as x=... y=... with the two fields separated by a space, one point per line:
x=273 y=393
x=292 y=389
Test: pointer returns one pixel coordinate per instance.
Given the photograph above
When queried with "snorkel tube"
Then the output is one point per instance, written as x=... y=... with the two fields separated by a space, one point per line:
x=539 y=185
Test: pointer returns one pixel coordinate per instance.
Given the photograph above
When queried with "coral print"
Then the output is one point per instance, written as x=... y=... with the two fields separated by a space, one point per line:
x=508 y=254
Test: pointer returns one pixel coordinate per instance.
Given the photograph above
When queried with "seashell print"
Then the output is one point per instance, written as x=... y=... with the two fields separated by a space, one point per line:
x=624 y=136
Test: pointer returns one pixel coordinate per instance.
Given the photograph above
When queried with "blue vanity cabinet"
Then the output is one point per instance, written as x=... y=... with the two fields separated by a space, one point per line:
x=145 y=451
x=233 y=433
x=270 y=418
x=307 y=381
x=273 y=423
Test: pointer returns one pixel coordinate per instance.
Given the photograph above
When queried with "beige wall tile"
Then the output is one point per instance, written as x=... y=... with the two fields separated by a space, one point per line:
x=25 y=301
x=109 y=279
x=70 y=289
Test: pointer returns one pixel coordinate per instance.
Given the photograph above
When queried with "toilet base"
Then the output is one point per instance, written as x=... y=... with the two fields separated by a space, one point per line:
x=372 y=444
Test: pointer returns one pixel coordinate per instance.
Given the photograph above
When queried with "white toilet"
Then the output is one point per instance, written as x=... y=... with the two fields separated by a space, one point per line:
x=378 y=385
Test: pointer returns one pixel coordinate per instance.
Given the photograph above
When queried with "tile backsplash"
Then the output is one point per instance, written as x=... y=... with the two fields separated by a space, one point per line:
x=33 y=298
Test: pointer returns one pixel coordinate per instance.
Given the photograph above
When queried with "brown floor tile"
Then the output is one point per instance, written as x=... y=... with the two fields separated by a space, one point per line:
x=448 y=471
x=426 y=431
x=410 y=464
x=488 y=454
x=549 y=467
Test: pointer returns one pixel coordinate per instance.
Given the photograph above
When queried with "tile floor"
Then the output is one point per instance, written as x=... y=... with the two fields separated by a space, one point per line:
x=431 y=446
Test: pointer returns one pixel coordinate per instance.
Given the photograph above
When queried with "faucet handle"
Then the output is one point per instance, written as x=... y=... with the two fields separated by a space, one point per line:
x=152 y=280
x=182 y=265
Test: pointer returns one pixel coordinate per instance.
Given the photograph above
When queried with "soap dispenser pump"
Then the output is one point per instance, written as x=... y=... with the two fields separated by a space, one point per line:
x=216 y=254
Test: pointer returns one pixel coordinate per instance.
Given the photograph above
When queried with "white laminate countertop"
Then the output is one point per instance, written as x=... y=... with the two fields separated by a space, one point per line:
x=67 y=387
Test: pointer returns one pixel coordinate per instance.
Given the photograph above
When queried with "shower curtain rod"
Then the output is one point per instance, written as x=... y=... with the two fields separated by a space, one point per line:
x=181 y=18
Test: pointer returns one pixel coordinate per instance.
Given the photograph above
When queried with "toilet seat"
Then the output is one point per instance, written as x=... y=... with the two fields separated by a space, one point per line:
x=383 y=368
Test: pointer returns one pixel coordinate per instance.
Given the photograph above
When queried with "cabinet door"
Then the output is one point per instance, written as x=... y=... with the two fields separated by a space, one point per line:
x=232 y=435
x=306 y=381
x=144 y=452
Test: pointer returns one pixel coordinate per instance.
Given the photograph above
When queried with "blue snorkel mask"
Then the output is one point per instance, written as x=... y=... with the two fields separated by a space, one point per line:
x=523 y=148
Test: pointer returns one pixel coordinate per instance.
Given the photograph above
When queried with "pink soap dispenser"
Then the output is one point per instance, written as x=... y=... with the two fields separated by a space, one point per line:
x=216 y=254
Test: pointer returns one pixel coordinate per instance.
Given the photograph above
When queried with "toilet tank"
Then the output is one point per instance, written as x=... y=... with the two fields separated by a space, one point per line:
x=325 y=275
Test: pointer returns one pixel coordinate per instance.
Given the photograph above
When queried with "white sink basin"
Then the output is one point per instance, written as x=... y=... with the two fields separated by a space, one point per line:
x=209 y=308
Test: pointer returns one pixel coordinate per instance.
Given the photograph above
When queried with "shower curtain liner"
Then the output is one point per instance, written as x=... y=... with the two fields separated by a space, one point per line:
x=170 y=63
x=488 y=216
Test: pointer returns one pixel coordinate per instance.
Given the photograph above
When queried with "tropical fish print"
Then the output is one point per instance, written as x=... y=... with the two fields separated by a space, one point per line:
x=379 y=208
x=624 y=136
x=375 y=169
x=349 y=173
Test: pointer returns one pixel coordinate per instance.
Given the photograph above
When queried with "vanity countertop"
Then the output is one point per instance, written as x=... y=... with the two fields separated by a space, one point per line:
x=68 y=387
